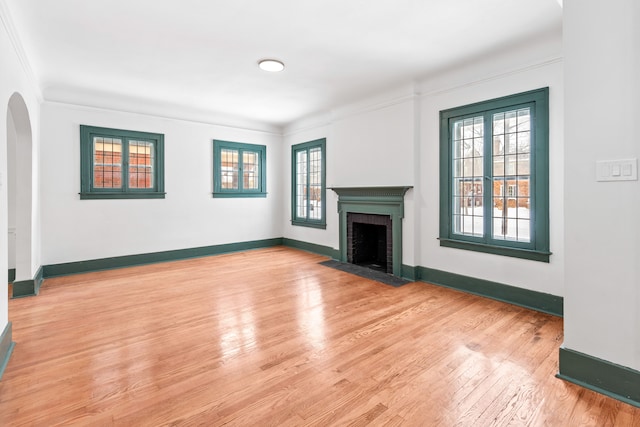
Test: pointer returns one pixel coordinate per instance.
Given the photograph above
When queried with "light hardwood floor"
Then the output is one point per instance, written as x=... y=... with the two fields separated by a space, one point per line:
x=270 y=337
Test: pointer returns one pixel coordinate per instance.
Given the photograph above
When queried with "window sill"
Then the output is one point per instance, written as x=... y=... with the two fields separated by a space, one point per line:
x=320 y=225
x=121 y=195
x=533 y=255
x=236 y=195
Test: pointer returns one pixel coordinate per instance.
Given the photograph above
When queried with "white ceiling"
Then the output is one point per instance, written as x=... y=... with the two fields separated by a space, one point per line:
x=201 y=55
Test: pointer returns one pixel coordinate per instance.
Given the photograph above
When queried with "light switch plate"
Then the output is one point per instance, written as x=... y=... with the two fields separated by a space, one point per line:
x=617 y=170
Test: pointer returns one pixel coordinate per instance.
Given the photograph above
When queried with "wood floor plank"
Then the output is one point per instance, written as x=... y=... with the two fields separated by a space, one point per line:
x=272 y=338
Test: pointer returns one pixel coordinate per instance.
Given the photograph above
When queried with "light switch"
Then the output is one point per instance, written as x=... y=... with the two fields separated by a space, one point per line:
x=617 y=170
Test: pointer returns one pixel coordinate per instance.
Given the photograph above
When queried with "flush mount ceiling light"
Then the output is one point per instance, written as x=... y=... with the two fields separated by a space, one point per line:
x=272 y=65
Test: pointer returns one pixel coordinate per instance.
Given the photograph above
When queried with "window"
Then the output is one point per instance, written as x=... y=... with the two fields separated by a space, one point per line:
x=239 y=169
x=121 y=164
x=308 y=184
x=494 y=176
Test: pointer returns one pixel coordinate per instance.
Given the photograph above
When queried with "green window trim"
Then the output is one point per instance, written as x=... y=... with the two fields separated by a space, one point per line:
x=535 y=245
x=308 y=206
x=133 y=148
x=244 y=174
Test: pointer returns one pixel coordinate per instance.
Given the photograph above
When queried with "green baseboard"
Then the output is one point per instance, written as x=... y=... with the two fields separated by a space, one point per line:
x=67 y=268
x=6 y=347
x=600 y=375
x=12 y=275
x=534 y=300
x=28 y=288
x=311 y=247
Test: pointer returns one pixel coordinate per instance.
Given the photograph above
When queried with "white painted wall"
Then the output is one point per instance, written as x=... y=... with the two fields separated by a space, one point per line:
x=393 y=139
x=12 y=139
x=479 y=82
x=602 y=227
x=15 y=77
x=370 y=143
x=76 y=230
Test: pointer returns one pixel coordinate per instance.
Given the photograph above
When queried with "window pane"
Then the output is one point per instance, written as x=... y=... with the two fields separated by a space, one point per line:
x=315 y=183
x=107 y=162
x=511 y=207
x=141 y=164
x=229 y=169
x=250 y=171
x=468 y=209
x=301 y=184
x=468 y=169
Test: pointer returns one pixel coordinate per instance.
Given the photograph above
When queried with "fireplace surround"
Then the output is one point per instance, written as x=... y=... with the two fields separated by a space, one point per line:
x=373 y=206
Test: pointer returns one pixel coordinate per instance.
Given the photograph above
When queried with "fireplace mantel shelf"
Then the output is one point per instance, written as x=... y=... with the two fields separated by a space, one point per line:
x=371 y=192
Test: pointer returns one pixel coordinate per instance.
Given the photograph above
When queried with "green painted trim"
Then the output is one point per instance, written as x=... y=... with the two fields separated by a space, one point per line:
x=536 y=250
x=496 y=250
x=131 y=195
x=534 y=300
x=410 y=272
x=306 y=146
x=240 y=147
x=87 y=192
x=599 y=375
x=11 y=275
x=238 y=195
x=152 y=258
x=28 y=288
x=312 y=247
x=6 y=347
x=377 y=201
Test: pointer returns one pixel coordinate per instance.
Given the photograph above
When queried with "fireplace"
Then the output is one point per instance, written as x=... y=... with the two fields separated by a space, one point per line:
x=370 y=241
x=371 y=226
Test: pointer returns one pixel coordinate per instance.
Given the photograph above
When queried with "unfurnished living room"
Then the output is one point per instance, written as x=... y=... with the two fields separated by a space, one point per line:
x=286 y=213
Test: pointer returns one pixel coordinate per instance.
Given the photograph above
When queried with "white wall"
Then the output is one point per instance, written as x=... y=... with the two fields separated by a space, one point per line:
x=393 y=139
x=474 y=83
x=370 y=143
x=15 y=77
x=12 y=139
x=75 y=230
x=602 y=227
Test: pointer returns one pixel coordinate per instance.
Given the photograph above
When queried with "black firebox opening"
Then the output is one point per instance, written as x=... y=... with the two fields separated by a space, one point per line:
x=370 y=246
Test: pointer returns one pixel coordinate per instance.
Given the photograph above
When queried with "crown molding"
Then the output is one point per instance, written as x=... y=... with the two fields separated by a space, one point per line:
x=12 y=33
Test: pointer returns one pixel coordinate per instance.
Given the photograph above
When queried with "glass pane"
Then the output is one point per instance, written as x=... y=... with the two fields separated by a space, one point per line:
x=512 y=159
x=478 y=164
x=141 y=164
x=498 y=124
x=229 y=169
x=512 y=143
x=524 y=120
x=524 y=142
x=250 y=172
x=498 y=145
x=315 y=183
x=498 y=165
x=457 y=168
x=301 y=184
x=510 y=165
x=523 y=187
x=467 y=208
x=510 y=122
x=107 y=162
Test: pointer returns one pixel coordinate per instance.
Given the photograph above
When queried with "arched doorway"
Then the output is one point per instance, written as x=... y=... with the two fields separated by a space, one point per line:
x=19 y=196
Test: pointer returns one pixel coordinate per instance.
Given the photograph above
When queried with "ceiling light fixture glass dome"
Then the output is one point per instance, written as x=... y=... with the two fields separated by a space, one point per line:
x=272 y=65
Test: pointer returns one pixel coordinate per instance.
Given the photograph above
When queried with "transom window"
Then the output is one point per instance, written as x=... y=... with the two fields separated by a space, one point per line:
x=494 y=176
x=121 y=164
x=308 y=184
x=239 y=169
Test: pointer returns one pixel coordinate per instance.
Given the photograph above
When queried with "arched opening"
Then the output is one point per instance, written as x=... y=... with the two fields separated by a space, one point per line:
x=19 y=195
